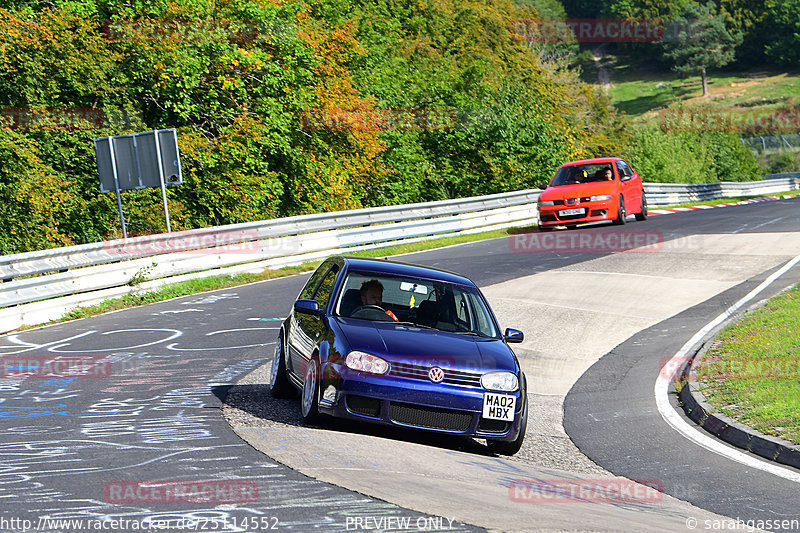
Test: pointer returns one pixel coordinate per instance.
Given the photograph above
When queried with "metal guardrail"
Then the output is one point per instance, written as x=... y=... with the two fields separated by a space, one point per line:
x=42 y=285
x=673 y=193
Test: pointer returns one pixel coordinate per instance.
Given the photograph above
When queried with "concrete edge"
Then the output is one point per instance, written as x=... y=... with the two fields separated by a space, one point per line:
x=728 y=430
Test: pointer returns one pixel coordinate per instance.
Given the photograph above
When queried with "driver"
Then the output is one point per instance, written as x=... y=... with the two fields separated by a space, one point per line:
x=372 y=294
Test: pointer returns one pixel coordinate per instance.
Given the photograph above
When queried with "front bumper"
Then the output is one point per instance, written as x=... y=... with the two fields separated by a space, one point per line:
x=550 y=216
x=413 y=403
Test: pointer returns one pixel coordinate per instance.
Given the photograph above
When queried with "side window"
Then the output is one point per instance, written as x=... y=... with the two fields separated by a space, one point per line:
x=625 y=169
x=621 y=169
x=308 y=291
x=325 y=289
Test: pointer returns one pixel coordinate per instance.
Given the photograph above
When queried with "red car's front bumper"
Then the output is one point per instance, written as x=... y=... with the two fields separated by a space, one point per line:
x=550 y=216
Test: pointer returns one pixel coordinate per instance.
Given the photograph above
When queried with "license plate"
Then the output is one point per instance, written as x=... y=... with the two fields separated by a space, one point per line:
x=568 y=212
x=499 y=406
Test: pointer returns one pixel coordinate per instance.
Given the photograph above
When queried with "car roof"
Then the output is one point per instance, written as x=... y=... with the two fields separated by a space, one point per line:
x=590 y=161
x=383 y=266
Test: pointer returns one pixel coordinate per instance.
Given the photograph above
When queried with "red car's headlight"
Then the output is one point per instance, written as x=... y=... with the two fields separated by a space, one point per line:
x=600 y=198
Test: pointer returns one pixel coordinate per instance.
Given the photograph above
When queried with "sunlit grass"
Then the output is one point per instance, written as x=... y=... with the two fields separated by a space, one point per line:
x=753 y=372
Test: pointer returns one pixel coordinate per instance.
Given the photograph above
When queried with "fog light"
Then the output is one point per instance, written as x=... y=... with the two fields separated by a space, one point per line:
x=330 y=394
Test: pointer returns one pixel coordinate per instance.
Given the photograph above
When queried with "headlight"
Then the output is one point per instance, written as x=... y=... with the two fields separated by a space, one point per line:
x=600 y=198
x=364 y=362
x=545 y=203
x=500 y=381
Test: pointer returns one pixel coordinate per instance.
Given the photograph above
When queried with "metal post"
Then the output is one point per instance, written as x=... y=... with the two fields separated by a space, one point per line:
x=116 y=186
x=161 y=179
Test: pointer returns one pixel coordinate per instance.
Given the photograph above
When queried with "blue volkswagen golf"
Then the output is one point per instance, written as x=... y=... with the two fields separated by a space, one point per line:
x=401 y=345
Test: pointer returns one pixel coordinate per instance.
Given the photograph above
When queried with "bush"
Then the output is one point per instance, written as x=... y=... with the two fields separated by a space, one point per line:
x=690 y=157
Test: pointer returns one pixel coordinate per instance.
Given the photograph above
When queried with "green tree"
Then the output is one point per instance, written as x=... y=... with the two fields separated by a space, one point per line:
x=700 y=41
x=751 y=17
x=783 y=22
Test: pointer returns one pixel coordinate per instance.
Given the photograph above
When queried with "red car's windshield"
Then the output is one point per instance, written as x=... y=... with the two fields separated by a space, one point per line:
x=583 y=174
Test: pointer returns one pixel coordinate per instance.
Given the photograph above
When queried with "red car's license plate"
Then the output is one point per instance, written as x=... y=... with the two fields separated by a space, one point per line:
x=567 y=212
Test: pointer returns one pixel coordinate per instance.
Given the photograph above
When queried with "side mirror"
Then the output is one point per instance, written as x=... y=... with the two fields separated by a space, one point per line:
x=542 y=186
x=308 y=307
x=513 y=335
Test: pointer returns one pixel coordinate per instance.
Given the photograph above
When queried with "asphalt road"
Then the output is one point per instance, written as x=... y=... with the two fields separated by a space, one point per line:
x=611 y=412
x=112 y=445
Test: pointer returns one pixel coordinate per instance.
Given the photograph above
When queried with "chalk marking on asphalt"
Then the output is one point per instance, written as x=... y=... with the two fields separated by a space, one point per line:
x=674 y=419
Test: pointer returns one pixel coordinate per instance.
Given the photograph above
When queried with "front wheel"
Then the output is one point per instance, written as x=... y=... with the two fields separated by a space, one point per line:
x=620 y=220
x=279 y=386
x=309 y=402
x=642 y=214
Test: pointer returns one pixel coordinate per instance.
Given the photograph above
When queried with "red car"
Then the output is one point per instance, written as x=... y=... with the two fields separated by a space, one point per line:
x=605 y=188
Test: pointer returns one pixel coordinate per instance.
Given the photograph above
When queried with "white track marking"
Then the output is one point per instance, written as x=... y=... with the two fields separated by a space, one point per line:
x=672 y=417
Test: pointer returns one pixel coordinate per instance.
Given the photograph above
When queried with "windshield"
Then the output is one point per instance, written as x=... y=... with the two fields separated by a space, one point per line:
x=423 y=303
x=583 y=174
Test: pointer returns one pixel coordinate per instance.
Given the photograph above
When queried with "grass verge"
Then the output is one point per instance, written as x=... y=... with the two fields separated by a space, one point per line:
x=752 y=373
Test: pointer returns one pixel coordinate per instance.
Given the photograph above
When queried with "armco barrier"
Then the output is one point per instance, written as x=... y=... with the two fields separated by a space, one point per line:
x=673 y=193
x=42 y=285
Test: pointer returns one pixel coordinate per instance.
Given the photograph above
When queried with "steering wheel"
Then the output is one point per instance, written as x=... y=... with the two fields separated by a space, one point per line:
x=363 y=307
x=379 y=313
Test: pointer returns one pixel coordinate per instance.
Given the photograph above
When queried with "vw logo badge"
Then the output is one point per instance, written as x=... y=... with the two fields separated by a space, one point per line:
x=436 y=374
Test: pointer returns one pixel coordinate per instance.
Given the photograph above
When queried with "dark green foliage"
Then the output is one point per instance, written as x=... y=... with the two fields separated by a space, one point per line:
x=783 y=23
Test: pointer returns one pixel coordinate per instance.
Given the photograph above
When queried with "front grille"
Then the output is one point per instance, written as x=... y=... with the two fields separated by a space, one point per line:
x=493 y=426
x=430 y=417
x=364 y=406
x=451 y=377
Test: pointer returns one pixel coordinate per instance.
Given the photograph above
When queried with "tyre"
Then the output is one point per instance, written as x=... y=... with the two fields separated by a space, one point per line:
x=309 y=399
x=642 y=214
x=502 y=447
x=620 y=220
x=279 y=386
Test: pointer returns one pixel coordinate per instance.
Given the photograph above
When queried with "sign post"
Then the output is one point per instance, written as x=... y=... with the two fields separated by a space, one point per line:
x=139 y=161
x=116 y=187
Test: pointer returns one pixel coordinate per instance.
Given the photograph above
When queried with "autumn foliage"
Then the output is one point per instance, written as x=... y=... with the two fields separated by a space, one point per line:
x=281 y=108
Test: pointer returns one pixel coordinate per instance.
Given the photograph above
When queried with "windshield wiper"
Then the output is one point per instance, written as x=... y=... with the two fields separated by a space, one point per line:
x=414 y=324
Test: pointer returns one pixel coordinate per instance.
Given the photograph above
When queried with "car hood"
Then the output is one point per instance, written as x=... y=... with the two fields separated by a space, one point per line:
x=399 y=343
x=578 y=190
